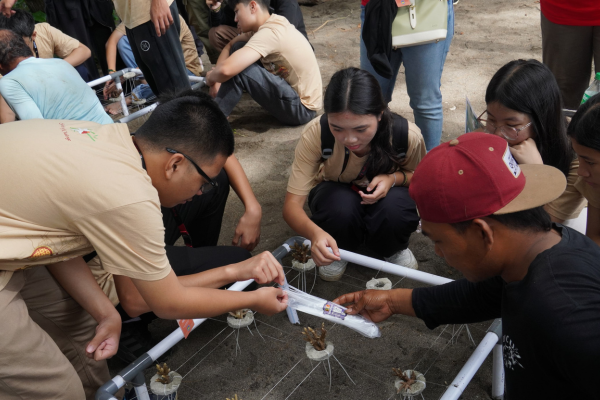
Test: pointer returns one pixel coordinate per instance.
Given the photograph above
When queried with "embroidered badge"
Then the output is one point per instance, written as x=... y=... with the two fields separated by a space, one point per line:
x=144 y=45
x=511 y=354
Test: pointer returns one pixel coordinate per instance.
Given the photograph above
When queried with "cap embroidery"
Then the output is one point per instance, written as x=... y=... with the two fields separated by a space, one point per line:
x=511 y=163
x=460 y=172
x=491 y=149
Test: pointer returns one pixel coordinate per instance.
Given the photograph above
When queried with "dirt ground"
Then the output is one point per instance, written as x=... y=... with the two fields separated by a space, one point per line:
x=487 y=35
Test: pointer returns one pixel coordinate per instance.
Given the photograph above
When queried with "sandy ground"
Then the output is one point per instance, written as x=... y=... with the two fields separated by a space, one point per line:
x=487 y=35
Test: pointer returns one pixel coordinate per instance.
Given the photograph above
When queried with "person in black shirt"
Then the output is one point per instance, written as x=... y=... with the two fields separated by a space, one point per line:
x=484 y=214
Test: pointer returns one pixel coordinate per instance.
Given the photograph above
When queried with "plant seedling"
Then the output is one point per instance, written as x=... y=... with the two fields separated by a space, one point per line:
x=163 y=373
x=316 y=339
x=407 y=381
x=239 y=314
x=300 y=253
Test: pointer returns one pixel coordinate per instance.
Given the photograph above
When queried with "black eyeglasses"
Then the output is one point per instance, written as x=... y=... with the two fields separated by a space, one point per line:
x=206 y=187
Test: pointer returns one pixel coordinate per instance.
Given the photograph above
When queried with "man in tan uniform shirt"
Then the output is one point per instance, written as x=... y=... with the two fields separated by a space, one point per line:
x=74 y=187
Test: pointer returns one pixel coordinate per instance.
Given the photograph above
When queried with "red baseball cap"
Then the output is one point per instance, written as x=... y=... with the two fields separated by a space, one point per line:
x=475 y=175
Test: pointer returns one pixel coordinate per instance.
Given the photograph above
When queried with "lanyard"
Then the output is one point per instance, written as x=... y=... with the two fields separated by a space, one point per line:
x=187 y=239
x=37 y=55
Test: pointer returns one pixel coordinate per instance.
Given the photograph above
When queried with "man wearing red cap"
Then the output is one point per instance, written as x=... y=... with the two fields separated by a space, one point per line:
x=484 y=214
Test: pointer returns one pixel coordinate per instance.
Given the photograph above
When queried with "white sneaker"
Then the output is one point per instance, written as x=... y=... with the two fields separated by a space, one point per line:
x=333 y=271
x=404 y=258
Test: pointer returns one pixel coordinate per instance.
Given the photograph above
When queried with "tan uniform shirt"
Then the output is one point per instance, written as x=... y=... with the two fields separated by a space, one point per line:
x=134 y=12
x=308 y=170
x=190 y=53
x=592 y=195
x=572 y=201
x=50 y=42
x=286 y=53
x=71 y=187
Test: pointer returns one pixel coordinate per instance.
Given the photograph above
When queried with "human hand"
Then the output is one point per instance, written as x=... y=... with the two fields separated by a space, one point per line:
x=6 y=7
x=526 y=152
x=247 y=231
x=161 y=17
x=109 y=88
x=270 y=300
x=263 y=268
x=319 y=248
x=106 y=341
x=374 y=305
x=214 y=90
x=213 y=4
x=381 y=185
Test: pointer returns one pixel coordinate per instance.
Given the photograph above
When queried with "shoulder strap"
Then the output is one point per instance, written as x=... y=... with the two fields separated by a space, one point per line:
x=327 y=139
x=400 y=135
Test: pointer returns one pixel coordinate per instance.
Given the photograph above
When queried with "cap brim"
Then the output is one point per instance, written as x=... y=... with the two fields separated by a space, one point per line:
x=543 y=184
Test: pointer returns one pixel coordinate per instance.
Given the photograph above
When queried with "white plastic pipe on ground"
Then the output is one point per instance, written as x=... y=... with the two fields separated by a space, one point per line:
x=467 y=372
x=394 y=269
x=498 y=373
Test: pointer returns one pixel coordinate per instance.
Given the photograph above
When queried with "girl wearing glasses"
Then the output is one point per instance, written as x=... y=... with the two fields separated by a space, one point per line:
x=357 y=185
x=524 y=107
x=584 y=131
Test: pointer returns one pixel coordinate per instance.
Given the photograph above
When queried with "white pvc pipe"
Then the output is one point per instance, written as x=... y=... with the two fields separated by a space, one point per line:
x=123 y=101
x=196 y=79
x=177 y=334
x=467 y=372
x=138 y=113
x=98 y=81
x=141 y=392
x=498 y=373
x=394 y=269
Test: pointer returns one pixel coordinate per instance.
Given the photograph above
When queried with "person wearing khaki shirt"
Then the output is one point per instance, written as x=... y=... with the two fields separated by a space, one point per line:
x=81 y=187
x=288 y=84
x=358 y=192
x=153 y=30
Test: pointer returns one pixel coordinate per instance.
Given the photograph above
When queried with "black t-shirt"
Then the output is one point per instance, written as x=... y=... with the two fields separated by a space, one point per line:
x=550 y=319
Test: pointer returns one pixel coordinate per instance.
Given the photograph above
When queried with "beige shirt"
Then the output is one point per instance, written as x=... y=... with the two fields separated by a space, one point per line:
x=308 y=170
x=571 y=202
x=71 y=187
x=134 y=12
x=592 y=195
x=190 y=53
x=285 y=52
x=50 y=42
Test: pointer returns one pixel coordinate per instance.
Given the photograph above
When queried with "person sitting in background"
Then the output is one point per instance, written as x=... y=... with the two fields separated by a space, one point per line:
x=524 y=107
x=46 y=41
x=119 y=41
x=224 y=27
x=359 y=193
x=42 y=88
x=584 y=131
x=288 y=84
x=484 y=214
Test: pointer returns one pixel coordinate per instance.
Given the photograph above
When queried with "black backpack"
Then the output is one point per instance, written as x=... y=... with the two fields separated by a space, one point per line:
x=399 y=138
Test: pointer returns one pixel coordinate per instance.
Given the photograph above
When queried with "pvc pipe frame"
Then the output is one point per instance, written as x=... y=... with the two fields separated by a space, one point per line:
x=135 y=371
x=489 y=342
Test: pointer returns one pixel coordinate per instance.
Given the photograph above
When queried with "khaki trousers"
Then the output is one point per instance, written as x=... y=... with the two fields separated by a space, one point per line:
x=43 y=334
x=568 y=51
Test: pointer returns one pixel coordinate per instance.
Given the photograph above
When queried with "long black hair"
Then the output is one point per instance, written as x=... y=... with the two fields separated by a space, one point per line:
x=528 y=86
x=358 y=92
x=585 y=125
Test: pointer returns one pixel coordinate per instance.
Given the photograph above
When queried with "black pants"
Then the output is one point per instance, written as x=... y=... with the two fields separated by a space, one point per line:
x=385 y=227
x=160 y=58
x=202 y=218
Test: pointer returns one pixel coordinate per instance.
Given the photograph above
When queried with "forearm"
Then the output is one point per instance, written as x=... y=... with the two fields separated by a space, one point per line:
x=78 y=56
x=401 y=302
x=240 y=184
x=77 y=279
x=111 y=54
x=458 y=302
x=400 y=180
x=6 y=114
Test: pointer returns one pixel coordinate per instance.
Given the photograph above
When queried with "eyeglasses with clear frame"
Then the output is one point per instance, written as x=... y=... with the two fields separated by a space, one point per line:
x=508 y=132
x=205 y=187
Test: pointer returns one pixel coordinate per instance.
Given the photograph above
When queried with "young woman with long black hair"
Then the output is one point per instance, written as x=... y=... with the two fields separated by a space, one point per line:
x=524 y=107
x=584 y=131
x=357 y=190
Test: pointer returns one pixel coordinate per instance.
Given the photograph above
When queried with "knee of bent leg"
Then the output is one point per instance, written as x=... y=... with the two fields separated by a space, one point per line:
x=337 y=204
